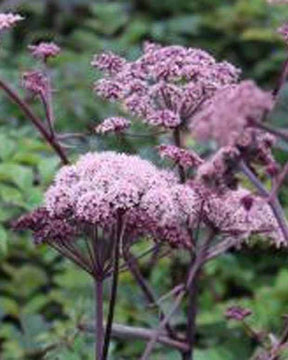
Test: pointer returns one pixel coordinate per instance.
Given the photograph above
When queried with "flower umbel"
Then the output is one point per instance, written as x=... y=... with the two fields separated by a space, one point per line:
x=44 y=51
x=8 y=20
x=112 y=124
x=166 y=85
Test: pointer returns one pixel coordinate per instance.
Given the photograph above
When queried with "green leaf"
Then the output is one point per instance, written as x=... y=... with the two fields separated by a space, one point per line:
x=3 y=241
x=7 y=147
x=21 y=176
x=10 y=195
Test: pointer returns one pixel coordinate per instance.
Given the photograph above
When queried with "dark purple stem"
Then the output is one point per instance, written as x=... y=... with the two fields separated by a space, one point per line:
x=177 y=141
x=99 y=319
x=272 y=201
x=119 y=236
x=48 y=115
x=35 y=120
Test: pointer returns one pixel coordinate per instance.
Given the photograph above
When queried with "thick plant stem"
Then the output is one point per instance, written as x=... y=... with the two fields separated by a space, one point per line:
x=112 y=303
x=177 y=141
x=129 y=333
x=35 y=120
x=99 y=319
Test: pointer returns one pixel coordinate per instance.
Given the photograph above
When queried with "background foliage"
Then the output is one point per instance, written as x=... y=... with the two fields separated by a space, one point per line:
x=42 y=297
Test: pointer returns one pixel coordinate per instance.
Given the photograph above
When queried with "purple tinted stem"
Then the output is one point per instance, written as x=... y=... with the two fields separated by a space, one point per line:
x=118 y=241
x=99 y=319
x=272 y=201
x=35 y=120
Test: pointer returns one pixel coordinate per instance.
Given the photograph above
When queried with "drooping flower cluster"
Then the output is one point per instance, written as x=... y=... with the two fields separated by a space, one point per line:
x=46 y=227
x=112 y=124
x=44 y=50
x=102 y=186
x=185 y=158
x=8 y=20
x=225 y=117
x=239 y=214
x=166 y=85
x=231 y=210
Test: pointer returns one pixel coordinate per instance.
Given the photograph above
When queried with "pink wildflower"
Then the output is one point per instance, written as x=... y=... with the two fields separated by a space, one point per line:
x=108 y=62
x=99 y=186
x=35 y=82
x=166 y=118
x=109 y=90
x=112 y=124
x=165 y=78
x=8 y=20
x=44 y=50
x=231 y=110
x=229 y=213
x=183 y=157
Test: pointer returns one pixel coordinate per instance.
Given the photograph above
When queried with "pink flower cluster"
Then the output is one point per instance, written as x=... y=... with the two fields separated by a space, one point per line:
x=46 y=228
x=35 y=82
x=166 y=85
x=225 y=117
x=102 y=186
x=8 y=20
x=229 y=214
x=218 y=171
x=186 y=158
x=44 y=50
x=108 y=62
x=112 y=124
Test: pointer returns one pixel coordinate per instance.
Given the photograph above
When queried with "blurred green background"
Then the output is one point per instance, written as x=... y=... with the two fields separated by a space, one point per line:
x=43 y=297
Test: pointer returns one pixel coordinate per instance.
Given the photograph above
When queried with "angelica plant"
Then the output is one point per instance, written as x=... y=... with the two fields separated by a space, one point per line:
x=99 y=206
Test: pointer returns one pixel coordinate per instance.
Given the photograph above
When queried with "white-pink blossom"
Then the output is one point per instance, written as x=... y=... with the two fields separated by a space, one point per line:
x=8 y=20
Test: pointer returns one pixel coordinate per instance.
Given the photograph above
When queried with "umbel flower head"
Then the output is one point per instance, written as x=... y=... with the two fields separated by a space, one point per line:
x=238 y=214
x=44 y=50
x=112 y=124
x=232 y=110
x=101 y=187
x=166 y=85
x=8 y=20
x=35 y=82
x=185 y=158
